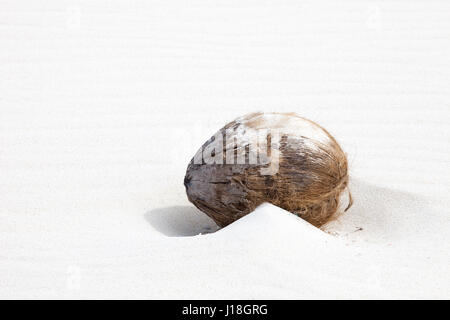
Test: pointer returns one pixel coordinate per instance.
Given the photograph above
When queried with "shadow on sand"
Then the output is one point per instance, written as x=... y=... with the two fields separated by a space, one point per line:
x=180 y=221
x=378 y=211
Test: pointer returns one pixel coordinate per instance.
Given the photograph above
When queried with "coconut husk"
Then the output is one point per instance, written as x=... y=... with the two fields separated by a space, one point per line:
x=305 y=171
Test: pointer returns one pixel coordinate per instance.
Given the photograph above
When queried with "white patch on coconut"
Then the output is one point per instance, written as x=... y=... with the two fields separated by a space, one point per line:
x=285 y=124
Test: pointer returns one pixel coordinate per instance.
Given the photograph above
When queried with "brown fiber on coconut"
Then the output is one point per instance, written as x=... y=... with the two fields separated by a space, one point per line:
x=279 y=158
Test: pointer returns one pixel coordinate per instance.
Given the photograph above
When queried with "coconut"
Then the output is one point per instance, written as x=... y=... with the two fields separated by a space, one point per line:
x=280 y=158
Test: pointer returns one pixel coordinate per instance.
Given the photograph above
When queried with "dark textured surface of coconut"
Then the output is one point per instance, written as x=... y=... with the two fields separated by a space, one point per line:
x=311 y=170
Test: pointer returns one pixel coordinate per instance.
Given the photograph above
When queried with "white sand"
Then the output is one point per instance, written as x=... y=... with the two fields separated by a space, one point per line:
x=103 y=105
